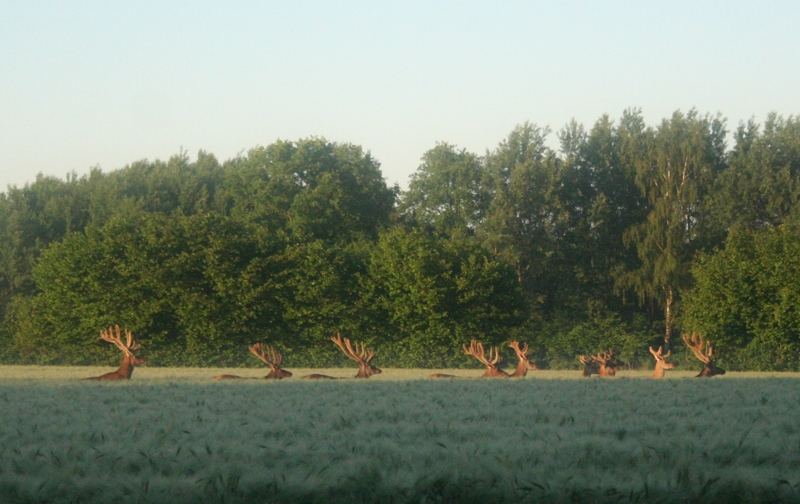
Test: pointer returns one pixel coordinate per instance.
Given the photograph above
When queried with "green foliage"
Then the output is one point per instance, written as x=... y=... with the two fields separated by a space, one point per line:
x=681 y=160
x=437 y=294
x=193 y=287
x=747 y=299
x=296 y=240
x=310 y=189
x=447 y=191
x=561 y=341
x=323 y=296
x=762 y=186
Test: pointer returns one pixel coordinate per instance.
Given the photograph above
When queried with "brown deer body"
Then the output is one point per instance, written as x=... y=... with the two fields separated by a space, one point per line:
x=360 y=354
x=602 y=364
x=523 y=364
x=590 y=367
x=704 y=352
x=475 y=349
x=317 y=376
x=229 y=377
x=129 y=360
x=269 y=356
x=661 y=362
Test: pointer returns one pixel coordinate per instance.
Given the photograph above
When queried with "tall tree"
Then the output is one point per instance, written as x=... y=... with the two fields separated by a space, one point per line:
x=526 y=217
x=682 y=158
x=310 y=189
x=602 y=200
x=447 y=191
x=762 y=187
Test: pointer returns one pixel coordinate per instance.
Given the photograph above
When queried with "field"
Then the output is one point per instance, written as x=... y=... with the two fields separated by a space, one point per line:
x=174 y=435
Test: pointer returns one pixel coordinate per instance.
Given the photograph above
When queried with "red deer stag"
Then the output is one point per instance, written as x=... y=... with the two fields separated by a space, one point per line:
x=475 y=349
x=269 y=356
x=361 y=354
x=129 y=360
x=603 y=364
x=523 y=364
x=661 y=362
x=696 y=344
x=590 y=367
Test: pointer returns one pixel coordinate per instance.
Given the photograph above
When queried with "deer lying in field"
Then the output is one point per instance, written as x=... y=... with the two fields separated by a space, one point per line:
x=523 y=363
x=704 y=352
x=129 y=360
x=475 y=349
x=602 y=364
x=442 y=375
x=354 y=351
x=661 y=362
x=269 y=356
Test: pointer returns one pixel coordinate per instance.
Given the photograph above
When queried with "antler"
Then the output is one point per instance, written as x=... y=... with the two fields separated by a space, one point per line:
x=113 y=335
x=659 y=356
x=475 y=349
x=603 y=357
x=361 y=354
x=267 y=354
x=522 y=352
x=695 y=343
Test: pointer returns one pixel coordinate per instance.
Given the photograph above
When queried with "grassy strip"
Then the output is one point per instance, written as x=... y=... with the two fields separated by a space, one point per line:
x=186 y=439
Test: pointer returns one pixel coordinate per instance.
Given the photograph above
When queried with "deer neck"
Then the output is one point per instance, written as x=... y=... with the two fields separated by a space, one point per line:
x=125 y=367
x=493 y=372
x=606 y=370
x=522 y=369
x=365 y=371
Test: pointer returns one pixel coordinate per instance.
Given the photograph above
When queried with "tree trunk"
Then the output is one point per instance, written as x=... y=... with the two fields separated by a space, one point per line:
x=668 y=317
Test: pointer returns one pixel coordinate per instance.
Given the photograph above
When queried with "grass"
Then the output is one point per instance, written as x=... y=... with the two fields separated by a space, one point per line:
x=174 y=435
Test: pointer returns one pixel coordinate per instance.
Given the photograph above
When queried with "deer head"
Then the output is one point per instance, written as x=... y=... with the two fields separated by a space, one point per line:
x=607 y=362
x=661 y=362
x=704 y=352
x=272 y=358
x=602 y=363
x=475 y=349
x=113 y=335
x=361 y=354
x=523 y=364
x=590 y=367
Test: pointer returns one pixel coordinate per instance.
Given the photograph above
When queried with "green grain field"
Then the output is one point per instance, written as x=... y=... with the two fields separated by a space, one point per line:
x=174 y=435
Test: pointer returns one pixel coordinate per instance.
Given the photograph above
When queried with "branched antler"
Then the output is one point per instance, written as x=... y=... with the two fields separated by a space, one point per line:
x=272 y=358
x=523 y=364
x=360 y=354
x=113 y=335
x=662 y=364
x=704 y=352
x=601 y=363
x=701 y=348
x=475 y=349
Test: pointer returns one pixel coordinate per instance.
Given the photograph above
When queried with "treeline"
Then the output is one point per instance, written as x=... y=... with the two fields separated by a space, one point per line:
x=624 y=236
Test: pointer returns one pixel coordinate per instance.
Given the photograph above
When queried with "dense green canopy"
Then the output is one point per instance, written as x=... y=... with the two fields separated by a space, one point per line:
x=623 y=235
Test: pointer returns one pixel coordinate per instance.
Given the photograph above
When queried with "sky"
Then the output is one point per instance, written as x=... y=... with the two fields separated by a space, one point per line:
x=88 y=83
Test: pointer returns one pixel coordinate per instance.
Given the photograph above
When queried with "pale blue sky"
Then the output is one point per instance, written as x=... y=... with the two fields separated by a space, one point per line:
x=87 y=83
